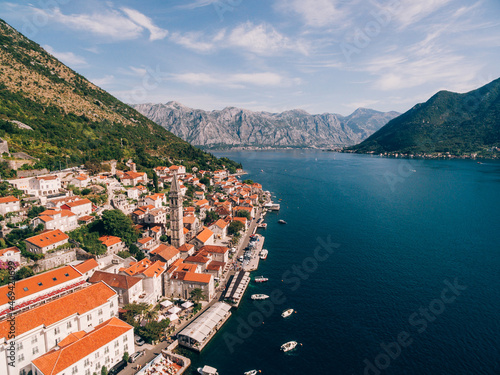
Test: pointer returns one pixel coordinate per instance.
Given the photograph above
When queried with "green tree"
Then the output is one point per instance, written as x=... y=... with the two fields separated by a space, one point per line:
x=244 y=213
x=35 y=211
x=116 y=223
x=205 y=181
x=211 y=217
x=163 y=238
x=126 y=356
x=104 y=370
x=4 y=277
x=23 y=273
x=235 y=227
x=248 y=182
x=197 y=295
x=153 y=330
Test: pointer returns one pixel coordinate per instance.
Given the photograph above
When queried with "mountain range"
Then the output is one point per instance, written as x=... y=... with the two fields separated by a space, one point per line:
x=448 y=122
x=235 y=127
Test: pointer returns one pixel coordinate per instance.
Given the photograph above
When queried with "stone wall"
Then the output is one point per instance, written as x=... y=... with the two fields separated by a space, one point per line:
x=55 y=259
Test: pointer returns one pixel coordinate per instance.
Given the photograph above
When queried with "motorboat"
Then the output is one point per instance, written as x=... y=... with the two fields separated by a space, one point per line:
x=263 y=254
x=207 y=370
x=260 y=279
x=281 y=221
x=287 y=313
x=287 y=346
x=259 y=296
x=251 y=372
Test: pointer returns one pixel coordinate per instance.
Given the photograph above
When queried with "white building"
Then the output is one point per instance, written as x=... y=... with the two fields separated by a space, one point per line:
x=10 y=254
x=9 y=204
x=87 y=352
x=80 y=207
x=38 y=186
x=65 y=220
x=46 y=241
x=39 y=330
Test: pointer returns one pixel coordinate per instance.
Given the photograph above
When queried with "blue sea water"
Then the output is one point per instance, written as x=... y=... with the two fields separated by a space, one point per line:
x=389 y=236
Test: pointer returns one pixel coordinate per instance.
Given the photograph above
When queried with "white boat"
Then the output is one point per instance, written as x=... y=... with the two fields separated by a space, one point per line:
x=260 y=279
x=207 y=370
x=281 y=221
x=287 y=346
x=287 y=313
x=263 y=254
x=251 y=372
x=260 y=296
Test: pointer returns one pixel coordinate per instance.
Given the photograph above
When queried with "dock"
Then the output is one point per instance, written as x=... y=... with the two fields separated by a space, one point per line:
x=237 y=287
x=253 y=263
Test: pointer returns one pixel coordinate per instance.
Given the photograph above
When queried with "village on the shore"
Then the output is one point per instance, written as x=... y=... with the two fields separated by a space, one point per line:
x=114 y=267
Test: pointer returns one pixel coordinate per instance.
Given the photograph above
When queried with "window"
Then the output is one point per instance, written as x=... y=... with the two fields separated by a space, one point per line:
x=100 y=321
x=57 y=330
x=74 y=370
x=125 y=348
x=124 y=338
x=107 y=360
x=68 y=325
x=111 y=304
x=98 y=366
x=106 y=350
x=20 y=357
x=35 y=350
x=117 y=351
x=97 y=354
x=58 y=340
x=87 y=371
x=89 y=317
x=116 y=344
x=20 y=345
x=86 y=362
x=112 y=313
x=34 y=340
x=99 y=312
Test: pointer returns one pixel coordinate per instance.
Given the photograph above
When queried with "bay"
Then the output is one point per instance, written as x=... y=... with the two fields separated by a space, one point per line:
x=397 y=233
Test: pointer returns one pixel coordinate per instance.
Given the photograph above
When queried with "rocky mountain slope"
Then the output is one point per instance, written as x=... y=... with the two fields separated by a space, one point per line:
x=447 y=123
x=234 y=127
x=68 y=120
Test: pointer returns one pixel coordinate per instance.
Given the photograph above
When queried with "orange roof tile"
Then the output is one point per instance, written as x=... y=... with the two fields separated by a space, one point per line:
x=80 y=346
x=49 y=313
x=8 y=199
x=204 y=235
x=214 y=249
x=185 y=248
x=114 y=280
x=144 y=240
x=48 y=238
x=87 y=265
x=40 y=282
x=189 y=219
x=198 y=277
x=132 y=175
x=137 y=267
x=156 y=269
x=13 y=248
x=221 y=223
x=110 y=240
x=78 y=203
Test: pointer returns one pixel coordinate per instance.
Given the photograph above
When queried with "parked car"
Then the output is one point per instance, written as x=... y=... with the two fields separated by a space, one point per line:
x=136 y=355
x=139 y=341
x=117 y=368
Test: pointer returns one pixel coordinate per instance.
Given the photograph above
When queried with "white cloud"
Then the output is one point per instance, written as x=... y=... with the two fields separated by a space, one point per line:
x=106 y=80
x=238 y=80
x=126 y=24
x=146 y=22
x=316 y=13
x=68 y=58
x=408 y=12
x=198 y=4
x=261 y=39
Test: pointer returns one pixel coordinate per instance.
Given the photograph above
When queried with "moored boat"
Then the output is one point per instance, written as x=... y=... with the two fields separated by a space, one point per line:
x=251 y=372
x=287 y=313
x=259 y=296
x=281 y=221
x=263 y=254
x=260 y=279
x=287 y=346
x=207 y=370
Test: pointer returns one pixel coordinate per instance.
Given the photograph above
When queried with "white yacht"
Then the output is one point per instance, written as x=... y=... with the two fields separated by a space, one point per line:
x=260 y=296
x=263 y=254
x=290 y=345
x=287 y=313
x=261 y=279
x=207 y=370
x=251 y=372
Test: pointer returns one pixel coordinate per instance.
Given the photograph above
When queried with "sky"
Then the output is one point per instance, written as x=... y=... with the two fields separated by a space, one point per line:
x=270 y=55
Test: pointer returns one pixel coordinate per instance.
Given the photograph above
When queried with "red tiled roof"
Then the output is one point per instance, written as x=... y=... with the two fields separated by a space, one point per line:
x=198 y=277
x=214 y=249
x=80 y=346
x=13 y=248
x=8 y=199
x=78 y=203
x=185 y=248
x=204 y=235
x=48 y=238
x=87 y=265
x=114 y=280
x=79 y=302
x=40 y=282
x=110 y=240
